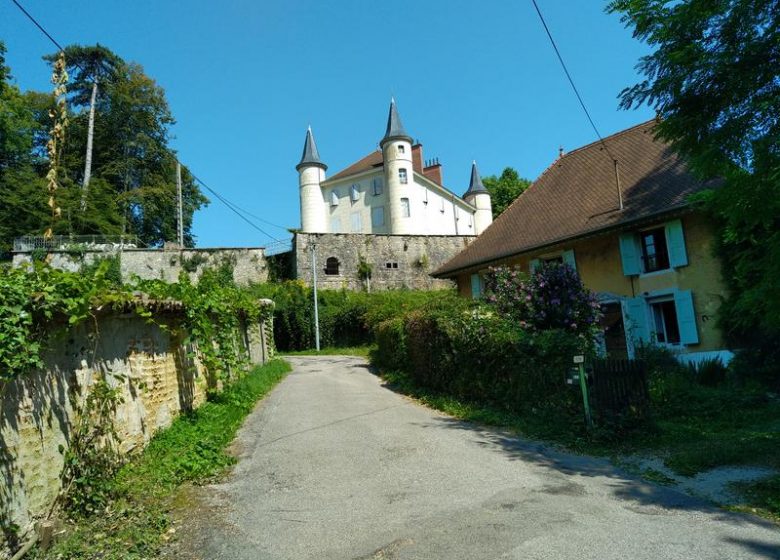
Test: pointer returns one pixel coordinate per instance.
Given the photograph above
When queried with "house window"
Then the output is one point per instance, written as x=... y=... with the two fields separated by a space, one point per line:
x=402 y=176
x=655 y=255
x=556 y=260
x=378 y=216
x=335 y=225
x=401 y=149
x=334 y=198
x=355 y=192
x=664 y=326
x=332 y=266
x=377 y=184
x=356 y=222
x=391 y=265
x=405 y=210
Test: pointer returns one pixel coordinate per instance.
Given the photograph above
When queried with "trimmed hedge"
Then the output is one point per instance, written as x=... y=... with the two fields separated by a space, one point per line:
x=472 y=353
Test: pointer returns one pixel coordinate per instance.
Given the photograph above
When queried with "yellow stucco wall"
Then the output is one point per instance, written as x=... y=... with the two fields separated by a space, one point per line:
x=600 y=267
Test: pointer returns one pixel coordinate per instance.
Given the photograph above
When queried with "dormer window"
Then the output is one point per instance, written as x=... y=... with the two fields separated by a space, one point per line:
x=334 y=198
x=354 y=192
x=402 y=176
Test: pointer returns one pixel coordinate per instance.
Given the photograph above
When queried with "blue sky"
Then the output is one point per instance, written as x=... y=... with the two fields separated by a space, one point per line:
x=473 y=80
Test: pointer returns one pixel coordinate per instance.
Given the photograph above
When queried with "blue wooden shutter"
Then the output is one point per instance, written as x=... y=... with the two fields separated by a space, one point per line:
x=629 y=254
x=568 y=258
x=675 y=242
x=686 y=316
x=635 y=319
x=476 y=286
x=532 y=266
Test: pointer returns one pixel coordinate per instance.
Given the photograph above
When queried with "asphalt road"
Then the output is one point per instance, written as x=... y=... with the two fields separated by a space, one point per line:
x=334 y=466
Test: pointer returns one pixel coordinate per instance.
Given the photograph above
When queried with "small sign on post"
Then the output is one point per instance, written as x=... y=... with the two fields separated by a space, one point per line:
x=580 y=361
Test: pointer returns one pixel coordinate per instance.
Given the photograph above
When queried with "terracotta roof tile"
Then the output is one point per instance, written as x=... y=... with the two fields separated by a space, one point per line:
x=577 y=195
x=371 y=161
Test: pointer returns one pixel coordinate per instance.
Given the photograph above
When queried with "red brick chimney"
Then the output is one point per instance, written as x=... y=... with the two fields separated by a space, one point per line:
x=417 y=158
x=432 y=171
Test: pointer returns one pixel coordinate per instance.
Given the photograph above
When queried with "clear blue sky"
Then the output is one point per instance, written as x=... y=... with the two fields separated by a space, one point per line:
x=473 y=80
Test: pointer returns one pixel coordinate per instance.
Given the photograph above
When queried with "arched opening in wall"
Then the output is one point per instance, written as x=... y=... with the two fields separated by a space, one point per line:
x=332 y=266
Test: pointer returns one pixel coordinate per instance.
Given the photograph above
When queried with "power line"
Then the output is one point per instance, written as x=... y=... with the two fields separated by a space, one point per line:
x=233 y=207
x=571 y=80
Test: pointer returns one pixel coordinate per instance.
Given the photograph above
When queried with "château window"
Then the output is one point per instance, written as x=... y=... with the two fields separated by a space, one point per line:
x=334 y=198
x=405 y=210
x=402 y=176
x=378 y=216
x=356 y=222
x=355 y=192
x=332 y=266
x=401 y=149
x=377 y=184
x=391 y=265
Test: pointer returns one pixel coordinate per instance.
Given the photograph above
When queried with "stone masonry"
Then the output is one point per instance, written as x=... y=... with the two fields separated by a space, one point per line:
x=396 y=261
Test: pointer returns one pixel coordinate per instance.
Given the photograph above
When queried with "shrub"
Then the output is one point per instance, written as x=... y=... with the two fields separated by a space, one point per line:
x=708 y=372
x=553 y=297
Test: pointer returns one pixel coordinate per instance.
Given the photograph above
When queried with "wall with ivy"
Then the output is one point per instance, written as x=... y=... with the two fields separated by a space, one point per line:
x=148 y=358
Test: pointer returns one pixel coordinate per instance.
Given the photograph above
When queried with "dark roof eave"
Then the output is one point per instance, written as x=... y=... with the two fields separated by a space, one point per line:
x=680 y=209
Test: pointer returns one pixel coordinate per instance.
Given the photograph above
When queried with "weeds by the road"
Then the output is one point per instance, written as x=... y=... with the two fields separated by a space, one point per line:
x=192 y=450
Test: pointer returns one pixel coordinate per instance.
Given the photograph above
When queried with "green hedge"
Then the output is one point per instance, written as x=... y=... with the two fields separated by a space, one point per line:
x=471 y=353
x=346 y=318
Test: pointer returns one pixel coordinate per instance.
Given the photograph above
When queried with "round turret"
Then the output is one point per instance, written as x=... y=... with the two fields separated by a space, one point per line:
x=399 y=173
x=311 y=174
x=479 y=197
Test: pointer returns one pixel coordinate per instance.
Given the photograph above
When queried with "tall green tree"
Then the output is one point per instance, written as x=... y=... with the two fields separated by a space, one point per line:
x=504 y=189
x=87 y=66
x=714 y=79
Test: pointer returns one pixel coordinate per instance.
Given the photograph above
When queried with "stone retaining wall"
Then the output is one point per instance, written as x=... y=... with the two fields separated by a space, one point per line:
x=396 y=261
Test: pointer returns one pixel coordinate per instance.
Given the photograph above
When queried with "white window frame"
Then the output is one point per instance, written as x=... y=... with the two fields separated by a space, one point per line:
x=406 y=208
x=403 y=176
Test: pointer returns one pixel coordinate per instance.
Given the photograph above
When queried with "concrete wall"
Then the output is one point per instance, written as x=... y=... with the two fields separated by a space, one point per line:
x=248 y=264
x=599 y=265
x=157 y=380
x=415 y=257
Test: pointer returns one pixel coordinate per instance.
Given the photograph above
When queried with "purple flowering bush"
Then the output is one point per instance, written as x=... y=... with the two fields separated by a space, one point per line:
x=552 y=297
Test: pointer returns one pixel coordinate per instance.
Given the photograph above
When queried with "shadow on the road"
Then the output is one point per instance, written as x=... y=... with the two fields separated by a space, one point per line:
x=640 y=496
x=763 y=549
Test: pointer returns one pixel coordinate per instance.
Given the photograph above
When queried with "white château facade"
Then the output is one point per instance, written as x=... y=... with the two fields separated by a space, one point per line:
x=391 y=191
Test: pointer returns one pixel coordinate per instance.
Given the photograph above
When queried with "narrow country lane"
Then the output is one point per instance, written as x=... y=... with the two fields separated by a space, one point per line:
x=334 y=466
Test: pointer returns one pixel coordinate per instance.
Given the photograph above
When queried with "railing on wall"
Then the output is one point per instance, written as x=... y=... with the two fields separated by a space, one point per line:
x=30 y=243
x=277 y=247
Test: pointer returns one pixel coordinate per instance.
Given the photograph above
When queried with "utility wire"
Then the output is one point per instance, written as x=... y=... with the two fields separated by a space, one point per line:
x=571 y=80
x=233 y=207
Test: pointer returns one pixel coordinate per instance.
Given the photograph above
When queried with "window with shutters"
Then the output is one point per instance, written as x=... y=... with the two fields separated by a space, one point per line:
x=356 y=222
x=402 y=176
x=334 y=198
x=663 y=321
x=377 y=186
x=655 y=255
x=406 y=211
x=354 y=192
x=378 y=216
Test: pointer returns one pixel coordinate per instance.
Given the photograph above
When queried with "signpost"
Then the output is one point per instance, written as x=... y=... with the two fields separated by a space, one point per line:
x=580 y=368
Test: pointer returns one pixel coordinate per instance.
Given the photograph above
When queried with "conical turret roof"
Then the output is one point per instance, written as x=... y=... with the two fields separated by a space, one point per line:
x=475 y=185
x=310 y=156
x=395 y=129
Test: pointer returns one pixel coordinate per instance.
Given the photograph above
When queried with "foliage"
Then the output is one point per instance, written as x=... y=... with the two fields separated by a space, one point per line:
x=133 y=183
x=92 y=458
x=112 y=273
x=32 y=300
x=346 y=318
x=552 y=297
x=192 y=449
x=465 y=350
x=713 y=80
x=214 y=309
x=504 y=189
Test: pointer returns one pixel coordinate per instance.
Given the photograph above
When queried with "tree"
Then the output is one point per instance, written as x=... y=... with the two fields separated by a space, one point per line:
x=87 y=66
x=504 y=189
x=714 y=79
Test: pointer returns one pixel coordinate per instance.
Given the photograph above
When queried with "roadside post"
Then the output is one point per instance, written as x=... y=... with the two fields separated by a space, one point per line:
x=580 y=367
x=313 y=248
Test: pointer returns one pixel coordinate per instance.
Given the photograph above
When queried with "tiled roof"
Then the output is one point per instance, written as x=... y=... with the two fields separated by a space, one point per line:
x=577 y=195
x=371 y=161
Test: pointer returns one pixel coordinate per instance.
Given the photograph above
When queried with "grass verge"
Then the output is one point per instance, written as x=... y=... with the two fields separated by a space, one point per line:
x=192 y=449
x=362 y=351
